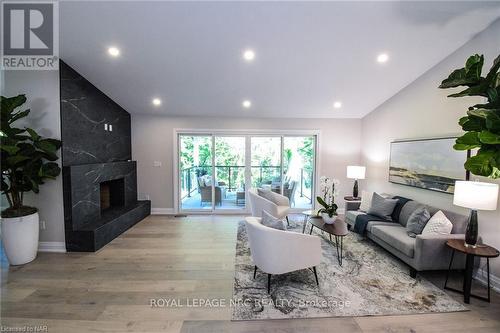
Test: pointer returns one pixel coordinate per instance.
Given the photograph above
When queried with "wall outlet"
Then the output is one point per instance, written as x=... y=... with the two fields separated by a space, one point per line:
x=42 y=225
x=105 y=127
x=157 y=164
x=110 y=128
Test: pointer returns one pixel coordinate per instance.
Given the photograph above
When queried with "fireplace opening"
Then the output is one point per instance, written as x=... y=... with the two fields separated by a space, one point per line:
x=112 y=194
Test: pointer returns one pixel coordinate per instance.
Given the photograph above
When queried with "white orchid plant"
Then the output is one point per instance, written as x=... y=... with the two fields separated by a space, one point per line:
x=329 y=190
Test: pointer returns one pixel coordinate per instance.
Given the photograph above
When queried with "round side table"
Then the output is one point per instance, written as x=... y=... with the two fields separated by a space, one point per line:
x=480 y=251
x=307 y=214
x=352 y=203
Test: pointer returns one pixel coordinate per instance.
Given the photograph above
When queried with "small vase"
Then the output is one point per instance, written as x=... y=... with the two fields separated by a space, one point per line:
x=327 y=219
x=472 y=230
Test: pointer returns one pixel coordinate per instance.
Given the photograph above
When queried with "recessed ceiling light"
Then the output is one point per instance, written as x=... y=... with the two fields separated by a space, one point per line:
x=249 y=55
x=337 y=105
x=113 y=51
x=382 y=57
x=156 y=101
x=246 y=104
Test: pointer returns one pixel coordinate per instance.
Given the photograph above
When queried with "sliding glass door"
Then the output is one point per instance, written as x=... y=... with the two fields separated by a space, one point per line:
x=266 y=162
x=195 y=172
x=230 y=172
x=216 y=170
x=285 y=165
x=298 y=170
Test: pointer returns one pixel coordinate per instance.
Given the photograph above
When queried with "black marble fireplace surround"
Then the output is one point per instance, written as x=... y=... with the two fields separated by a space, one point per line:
x=96 y=162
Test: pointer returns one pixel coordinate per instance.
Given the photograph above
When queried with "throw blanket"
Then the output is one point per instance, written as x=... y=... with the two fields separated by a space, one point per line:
x=363 y=219
x=397 y=210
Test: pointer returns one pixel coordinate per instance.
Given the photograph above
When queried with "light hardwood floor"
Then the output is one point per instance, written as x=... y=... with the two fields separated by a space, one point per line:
x=176 y=258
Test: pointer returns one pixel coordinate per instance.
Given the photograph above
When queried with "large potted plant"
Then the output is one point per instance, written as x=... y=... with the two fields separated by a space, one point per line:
x=27 y=160
x=482 y=122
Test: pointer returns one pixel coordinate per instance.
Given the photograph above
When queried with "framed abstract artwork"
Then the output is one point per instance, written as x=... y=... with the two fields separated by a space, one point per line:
x=431 y=164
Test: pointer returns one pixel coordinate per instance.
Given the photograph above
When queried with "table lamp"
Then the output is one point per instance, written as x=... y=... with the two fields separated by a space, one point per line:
x=355 y=172
x=475 y=196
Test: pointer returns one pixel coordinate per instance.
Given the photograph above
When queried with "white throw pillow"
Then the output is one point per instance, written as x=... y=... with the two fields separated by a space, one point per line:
x=438 y=224
x=272 y=222
x=366 y=201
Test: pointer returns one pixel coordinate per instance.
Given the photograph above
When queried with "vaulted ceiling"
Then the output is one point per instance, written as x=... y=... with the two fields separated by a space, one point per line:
x=308 y=55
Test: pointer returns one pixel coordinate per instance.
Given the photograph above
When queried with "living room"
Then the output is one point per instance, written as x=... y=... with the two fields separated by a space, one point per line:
x=146 y=171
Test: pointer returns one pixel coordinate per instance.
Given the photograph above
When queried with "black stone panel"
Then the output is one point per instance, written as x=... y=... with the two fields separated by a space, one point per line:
x=84 y=111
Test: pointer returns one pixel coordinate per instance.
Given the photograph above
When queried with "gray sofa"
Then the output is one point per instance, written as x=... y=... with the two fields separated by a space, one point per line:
x=425 y=252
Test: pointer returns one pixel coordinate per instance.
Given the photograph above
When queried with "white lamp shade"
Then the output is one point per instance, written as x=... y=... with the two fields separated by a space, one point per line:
x=356 y=172
x=476 y=195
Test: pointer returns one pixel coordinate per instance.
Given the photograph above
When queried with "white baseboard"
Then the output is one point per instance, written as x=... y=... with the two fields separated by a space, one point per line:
x=52 y=247
x=171 y=211
x=481 y=276
x=162 y=211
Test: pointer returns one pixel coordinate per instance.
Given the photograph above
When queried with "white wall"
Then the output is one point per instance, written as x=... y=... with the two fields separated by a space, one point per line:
x=421 y=110
x=152 y=140
x=42 y=91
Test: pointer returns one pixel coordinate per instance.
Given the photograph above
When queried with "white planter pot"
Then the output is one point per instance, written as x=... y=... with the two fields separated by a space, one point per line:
x=327 y=219
x=20 y=238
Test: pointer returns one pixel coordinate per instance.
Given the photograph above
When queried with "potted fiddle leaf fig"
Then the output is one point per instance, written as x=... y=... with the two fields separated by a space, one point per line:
x=482 y=122
x=27 y=161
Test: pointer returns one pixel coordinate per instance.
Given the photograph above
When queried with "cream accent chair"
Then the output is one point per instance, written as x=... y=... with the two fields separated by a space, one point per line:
x=277 y=252
x=279 y=208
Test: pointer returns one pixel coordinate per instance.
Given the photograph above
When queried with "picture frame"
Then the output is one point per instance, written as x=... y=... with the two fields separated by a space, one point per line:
x=430 y=164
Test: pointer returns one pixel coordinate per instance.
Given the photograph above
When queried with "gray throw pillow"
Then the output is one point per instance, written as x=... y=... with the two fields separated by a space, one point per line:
x=417 y=221
x=272 y=222
x=382 y=207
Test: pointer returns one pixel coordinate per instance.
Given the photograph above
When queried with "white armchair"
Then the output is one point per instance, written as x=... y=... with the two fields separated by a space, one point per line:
x=278 y=208
x=277 y=252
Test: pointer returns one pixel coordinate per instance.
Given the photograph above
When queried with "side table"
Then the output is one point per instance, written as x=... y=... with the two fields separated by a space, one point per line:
x=352 y=203
x=307 y=214
x=480 y=251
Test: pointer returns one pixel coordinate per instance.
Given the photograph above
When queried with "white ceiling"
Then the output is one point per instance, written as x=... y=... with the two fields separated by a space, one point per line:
x=308 y=54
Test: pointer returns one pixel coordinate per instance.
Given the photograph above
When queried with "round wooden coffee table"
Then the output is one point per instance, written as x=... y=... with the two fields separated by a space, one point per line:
x=481 y=251
x=338 y=229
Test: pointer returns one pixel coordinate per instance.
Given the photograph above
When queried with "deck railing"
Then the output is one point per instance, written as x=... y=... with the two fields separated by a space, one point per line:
x=266 y=174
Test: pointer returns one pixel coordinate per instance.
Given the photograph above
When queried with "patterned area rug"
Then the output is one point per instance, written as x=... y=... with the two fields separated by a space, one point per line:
x=370 y=282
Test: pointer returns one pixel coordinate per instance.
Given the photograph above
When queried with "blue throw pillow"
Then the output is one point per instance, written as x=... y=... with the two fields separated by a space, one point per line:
x=417 y=221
